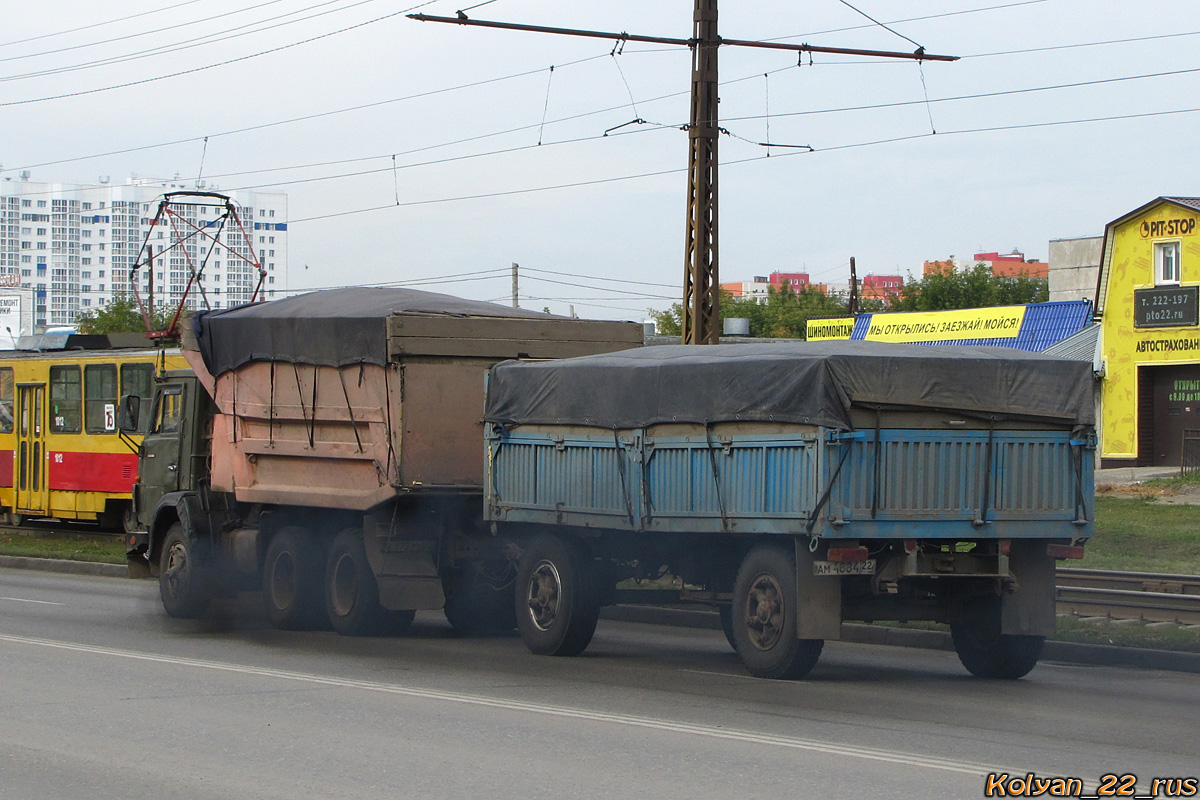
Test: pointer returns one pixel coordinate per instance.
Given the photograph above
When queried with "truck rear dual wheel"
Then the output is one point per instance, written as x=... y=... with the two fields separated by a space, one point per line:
x=988 y=653
x=352 y=593
x=763 y=616
x=185 y=575
x=557 y=597
x=292 y=580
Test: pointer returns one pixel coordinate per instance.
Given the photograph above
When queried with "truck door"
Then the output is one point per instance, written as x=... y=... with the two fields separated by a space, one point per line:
x=161 y=449
x=32 y=490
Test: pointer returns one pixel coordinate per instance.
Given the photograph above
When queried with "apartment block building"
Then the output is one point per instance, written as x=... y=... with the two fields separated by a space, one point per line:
x=74 y=246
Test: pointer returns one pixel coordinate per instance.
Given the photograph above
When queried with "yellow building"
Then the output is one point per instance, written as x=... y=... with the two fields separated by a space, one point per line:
x=1150 y=333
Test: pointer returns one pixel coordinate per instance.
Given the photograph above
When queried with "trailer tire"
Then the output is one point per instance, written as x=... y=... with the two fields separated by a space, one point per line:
x=557 y=597
x=476 y=609
x=352 y=593
x=763 y=615
x=185 y=575
x=291 y=580
x=987 y=653
x=725 y=612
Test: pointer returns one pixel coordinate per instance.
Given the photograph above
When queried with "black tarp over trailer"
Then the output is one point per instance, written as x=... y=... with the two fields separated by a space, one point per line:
x=807 y=383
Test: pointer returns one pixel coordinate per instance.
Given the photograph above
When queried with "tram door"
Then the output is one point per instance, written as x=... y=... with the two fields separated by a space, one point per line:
x=32 y=490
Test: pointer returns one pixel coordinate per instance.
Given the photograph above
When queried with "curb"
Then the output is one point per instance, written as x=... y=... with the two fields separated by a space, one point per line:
x=63 y=565
x=1065 y=652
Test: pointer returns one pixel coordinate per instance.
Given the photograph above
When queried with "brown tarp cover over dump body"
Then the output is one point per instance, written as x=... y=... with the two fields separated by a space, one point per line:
x=809 y=383
x=333 y=328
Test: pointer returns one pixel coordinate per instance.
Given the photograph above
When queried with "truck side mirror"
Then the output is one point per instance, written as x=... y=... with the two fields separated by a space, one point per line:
x=127 y=421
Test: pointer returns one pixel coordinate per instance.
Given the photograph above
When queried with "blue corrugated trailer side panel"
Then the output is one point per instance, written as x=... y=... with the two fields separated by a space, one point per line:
x=961 y=484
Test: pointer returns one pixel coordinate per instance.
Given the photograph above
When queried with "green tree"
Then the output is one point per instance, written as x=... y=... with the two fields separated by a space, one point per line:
x=977 y=287
x=120 y=316
x=669 y=322
x=784 y=315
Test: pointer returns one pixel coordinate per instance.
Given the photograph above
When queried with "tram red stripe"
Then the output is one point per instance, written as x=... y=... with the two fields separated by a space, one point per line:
x=6 y=468
x=91 y=472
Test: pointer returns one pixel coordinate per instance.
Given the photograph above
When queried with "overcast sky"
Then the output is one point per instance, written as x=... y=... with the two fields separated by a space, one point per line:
x=334 y=92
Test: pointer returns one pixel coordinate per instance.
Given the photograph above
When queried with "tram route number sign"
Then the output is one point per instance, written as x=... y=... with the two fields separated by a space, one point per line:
x=1165 y=306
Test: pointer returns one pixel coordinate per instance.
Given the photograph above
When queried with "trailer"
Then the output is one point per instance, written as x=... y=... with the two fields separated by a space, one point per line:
x=796 y=486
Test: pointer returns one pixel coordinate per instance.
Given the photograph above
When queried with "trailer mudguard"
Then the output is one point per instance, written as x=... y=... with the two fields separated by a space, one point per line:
x=1029 y=610
x=819 y=598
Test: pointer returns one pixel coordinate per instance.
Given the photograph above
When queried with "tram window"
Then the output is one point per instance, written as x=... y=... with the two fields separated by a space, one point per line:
x=65 y=399
x=100 y=393
x=138 y=379
x=6 y=400
x=170 y=410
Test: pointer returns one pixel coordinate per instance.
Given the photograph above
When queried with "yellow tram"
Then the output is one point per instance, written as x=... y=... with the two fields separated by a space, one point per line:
x=60 y=452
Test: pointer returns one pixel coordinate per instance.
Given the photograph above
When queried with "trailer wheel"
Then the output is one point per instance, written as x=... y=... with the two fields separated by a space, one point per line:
x=987 y=653
x=475 y=608
x=725 y=612
x=291 y=580
x=185 y=579
x=764 y=614
x=557 y=601
x=351 y=592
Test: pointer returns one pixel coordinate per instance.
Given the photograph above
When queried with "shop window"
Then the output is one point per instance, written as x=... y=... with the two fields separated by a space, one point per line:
x=1166 y=262
x=100 y=390
x=66 y=399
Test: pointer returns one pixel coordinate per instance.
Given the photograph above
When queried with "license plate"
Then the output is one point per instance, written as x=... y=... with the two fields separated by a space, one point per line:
x=844 y=567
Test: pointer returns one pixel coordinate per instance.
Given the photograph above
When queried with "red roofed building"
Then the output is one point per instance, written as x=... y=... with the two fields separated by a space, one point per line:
x=1007 y=265
x=1013 y=265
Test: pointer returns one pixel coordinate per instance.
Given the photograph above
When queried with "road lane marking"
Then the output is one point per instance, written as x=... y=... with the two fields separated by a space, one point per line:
x=39 y=602
x=709 y=731
x=728 y=675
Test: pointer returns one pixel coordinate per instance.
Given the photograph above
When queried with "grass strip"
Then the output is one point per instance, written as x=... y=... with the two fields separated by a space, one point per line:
x=71 y=547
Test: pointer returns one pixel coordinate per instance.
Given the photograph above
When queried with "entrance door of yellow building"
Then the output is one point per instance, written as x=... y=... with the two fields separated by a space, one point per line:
x=1174 y=392
x=32 y=490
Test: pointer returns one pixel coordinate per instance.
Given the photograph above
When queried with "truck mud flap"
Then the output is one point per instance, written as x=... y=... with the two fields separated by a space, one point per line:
x=410 y=592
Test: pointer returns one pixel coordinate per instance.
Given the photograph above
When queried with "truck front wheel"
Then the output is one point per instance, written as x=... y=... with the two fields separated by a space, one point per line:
x=763 y=615
x=557 y=598
x=185 y=579
x=291 y=587
x=987 y=653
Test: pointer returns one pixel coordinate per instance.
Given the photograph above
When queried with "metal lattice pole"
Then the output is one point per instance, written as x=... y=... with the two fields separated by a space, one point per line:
x=701 y=282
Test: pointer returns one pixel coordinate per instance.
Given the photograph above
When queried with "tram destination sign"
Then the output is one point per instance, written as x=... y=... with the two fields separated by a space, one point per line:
x=1165 y=306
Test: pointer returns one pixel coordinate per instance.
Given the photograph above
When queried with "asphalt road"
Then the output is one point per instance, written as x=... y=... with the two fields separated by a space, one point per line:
x=104 y=696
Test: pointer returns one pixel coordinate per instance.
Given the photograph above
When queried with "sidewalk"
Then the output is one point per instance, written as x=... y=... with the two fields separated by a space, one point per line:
x=1126 y=475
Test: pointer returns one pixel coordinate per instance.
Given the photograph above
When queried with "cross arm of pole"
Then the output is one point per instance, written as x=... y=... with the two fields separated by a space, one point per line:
x=918 y=55
x=512 y=26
